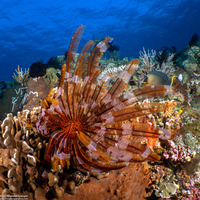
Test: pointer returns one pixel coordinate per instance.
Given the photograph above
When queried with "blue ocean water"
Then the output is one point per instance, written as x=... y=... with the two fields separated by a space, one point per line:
x=32 y=30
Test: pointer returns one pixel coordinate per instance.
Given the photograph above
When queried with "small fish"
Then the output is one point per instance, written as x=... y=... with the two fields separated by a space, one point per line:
x=158 y=78
x=14 y=83
x=181 y=111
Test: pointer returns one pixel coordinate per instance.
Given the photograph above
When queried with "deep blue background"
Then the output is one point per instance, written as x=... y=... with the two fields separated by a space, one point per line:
x=32 y=30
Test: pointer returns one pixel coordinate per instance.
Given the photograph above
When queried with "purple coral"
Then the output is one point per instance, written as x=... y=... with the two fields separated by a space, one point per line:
x=178 y=154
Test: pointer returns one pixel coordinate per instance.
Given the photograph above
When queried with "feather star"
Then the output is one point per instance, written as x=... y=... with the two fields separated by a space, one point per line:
x=89 y=126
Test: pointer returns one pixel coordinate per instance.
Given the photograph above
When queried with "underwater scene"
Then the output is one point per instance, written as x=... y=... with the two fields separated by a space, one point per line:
x=100 y=100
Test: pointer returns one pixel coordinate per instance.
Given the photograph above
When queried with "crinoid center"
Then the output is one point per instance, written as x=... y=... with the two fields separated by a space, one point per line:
x=72 y=126
x=58 y=146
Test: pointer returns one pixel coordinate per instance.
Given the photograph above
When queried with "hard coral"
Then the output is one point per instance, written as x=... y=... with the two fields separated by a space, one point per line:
x=178 y=154
x=21 y=77
x=87 y=125
x=19 y=160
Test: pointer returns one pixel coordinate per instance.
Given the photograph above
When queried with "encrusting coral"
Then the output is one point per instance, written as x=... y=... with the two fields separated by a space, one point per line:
x=87 y=125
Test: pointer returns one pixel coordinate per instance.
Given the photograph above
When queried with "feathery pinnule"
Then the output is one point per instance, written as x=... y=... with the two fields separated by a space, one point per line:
x=89 y=126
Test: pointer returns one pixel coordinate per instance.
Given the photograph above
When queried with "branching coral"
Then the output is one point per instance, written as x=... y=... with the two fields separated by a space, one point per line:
x=87 y=125
x=148 y=61
x=21 y=77
x=178 y=154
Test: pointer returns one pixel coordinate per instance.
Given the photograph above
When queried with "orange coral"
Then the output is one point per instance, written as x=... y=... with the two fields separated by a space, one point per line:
x=87 y=125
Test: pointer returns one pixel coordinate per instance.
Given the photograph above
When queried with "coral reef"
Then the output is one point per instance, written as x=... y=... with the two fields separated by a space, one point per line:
x=86 y=126
x=94 y=121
